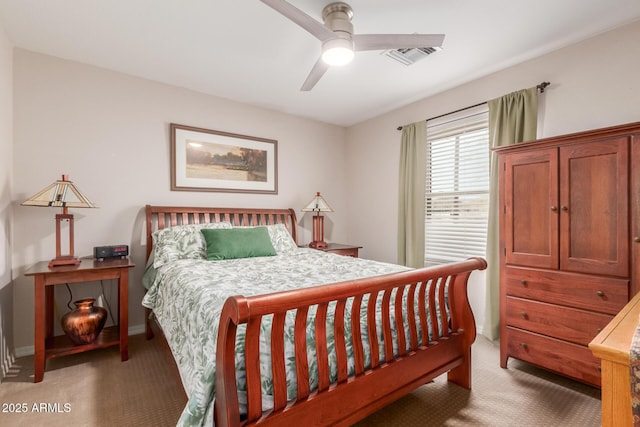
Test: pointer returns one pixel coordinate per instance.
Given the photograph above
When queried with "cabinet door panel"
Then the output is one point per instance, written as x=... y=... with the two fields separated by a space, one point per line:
x=530 y=216
x=594 y=207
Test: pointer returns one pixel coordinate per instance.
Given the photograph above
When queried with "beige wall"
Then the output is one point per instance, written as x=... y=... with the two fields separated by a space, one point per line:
x=594 y=84
x=110 y=133
x=6 y=195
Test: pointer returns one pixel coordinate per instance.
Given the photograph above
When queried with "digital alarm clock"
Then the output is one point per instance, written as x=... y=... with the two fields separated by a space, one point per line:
x=102 y=252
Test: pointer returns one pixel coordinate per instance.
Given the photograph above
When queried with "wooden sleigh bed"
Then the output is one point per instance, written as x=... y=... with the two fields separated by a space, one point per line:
x=407 y=328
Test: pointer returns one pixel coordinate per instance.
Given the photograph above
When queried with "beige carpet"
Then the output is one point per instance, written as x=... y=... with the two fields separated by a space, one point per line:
x=521 y=395
x=99 y=390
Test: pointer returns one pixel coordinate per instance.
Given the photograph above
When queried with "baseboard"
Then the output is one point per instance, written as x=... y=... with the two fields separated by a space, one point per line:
x=29 y=350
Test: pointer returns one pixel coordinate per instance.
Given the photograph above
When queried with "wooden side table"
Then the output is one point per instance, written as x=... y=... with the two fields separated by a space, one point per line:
x=47 y=346
x=613 y=345
x=341 y=249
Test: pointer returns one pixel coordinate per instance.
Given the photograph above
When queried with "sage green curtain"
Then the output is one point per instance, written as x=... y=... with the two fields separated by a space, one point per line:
x=513 y=118
x=411 y=195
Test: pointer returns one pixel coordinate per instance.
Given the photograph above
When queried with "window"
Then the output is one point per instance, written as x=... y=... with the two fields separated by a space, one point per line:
x=457 y=187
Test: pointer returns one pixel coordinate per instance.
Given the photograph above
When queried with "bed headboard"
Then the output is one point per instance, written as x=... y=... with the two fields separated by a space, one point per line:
x=159 y=217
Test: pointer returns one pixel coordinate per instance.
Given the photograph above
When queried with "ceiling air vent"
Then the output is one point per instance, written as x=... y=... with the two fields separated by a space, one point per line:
x=410 y=56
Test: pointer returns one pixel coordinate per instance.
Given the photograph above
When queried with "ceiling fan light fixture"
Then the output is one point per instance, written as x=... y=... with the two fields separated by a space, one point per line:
x=339 y=42
x=337 y=51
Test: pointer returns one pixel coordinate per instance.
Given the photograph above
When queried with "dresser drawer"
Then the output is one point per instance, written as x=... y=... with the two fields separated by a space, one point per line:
x=562 y=357
x=601 y=294
x=568 y=324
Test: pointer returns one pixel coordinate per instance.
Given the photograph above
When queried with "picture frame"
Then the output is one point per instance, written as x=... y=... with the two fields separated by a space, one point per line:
x=210 y=160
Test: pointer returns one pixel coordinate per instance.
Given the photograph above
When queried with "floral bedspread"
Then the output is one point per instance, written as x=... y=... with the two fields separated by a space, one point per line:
x=187 y=298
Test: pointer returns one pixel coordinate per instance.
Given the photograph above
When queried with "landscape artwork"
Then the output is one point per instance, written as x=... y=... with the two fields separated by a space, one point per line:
x=207 y=160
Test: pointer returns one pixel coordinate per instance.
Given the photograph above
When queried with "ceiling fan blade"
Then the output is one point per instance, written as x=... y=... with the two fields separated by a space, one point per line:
x=396 y=41
x=302 y=19
x=314 y=76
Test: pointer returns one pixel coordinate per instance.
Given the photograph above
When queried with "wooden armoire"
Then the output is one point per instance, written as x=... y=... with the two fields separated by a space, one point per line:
x=569 y=245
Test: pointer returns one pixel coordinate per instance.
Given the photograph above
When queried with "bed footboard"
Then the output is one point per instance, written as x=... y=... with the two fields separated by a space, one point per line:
x=408 y=328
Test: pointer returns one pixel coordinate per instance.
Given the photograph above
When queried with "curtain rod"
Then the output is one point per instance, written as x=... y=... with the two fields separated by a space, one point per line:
x=540 y=87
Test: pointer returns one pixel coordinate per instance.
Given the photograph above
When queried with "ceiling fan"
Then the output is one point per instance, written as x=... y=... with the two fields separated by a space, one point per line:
x=338 y=40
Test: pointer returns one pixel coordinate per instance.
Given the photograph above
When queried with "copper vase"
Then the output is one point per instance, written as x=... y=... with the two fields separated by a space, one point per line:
x=83 y=324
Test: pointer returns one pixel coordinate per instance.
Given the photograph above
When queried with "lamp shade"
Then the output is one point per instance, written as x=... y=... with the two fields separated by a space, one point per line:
x=317 y=204
x=61 y=194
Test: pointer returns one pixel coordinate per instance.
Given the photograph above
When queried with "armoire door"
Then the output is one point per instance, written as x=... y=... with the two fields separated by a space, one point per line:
x=530 y=208
x=594 y=207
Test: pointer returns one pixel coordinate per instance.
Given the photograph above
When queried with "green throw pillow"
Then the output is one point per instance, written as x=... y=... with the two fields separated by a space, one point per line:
x=237 y=243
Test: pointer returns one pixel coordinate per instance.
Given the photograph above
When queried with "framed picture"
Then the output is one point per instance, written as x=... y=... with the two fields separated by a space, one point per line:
x=209 y=160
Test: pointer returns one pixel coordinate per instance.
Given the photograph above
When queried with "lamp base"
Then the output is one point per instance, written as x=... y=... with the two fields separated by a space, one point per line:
x=318 y=245
x=64 y=260
x=318 y=233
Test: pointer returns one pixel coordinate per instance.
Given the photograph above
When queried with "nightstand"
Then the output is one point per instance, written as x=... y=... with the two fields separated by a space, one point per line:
x=340 y=249
x=47 y=346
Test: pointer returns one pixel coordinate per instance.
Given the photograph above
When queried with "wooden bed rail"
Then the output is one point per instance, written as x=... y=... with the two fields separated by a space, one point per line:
x=439 y=340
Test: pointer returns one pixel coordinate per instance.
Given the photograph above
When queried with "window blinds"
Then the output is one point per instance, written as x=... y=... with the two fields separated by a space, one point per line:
x=457 y=186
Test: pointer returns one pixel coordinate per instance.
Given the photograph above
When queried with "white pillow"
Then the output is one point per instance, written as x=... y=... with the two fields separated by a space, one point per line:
x=181 y=242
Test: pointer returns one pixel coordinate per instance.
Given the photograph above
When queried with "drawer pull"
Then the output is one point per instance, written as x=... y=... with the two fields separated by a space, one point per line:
x=600 y=293
x=523 y=345
x=564 y=208
x=599 y=330
x=523 y=282
x=523 y=314
x=636 y=239
x=554 y=208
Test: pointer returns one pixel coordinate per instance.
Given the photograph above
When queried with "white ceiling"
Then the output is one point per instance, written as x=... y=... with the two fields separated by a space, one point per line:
x=246 y=51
